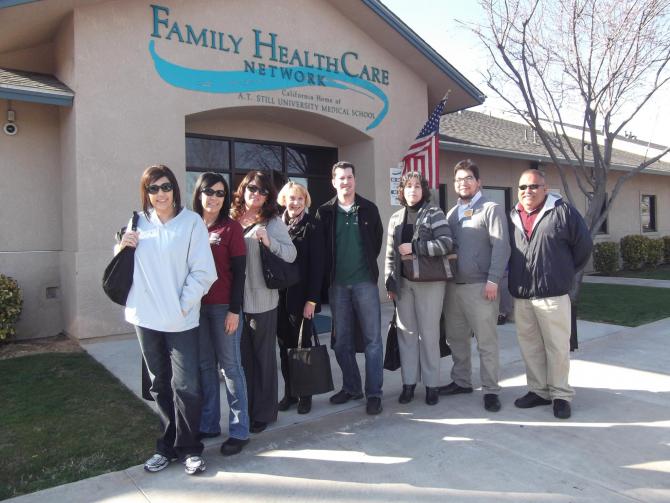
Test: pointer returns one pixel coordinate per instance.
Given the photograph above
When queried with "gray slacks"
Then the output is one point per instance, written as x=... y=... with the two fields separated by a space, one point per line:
x=467 y=311
x=419 y=307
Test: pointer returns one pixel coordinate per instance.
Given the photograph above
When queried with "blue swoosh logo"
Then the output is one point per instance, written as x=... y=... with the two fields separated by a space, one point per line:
x=235 y=81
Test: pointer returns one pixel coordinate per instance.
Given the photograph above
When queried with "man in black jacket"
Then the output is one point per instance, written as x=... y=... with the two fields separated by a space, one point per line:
x=352 y=234
x=550 y=243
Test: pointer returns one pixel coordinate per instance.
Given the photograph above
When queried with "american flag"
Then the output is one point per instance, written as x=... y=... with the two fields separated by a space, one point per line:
x=423 y=154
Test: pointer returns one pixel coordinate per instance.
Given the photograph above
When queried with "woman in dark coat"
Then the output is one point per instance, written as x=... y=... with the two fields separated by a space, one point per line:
x=301 y=300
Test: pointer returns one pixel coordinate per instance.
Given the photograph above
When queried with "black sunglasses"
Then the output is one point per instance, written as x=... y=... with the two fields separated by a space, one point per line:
x=211 y=192
x=532 y=186
x=165 y=187
x=254 y=188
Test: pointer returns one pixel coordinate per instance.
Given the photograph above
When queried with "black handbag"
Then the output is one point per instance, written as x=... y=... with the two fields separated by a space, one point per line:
x=118 y=276
x=278 y=273
x=392 y=354
x=445 y=350
x=309 y=368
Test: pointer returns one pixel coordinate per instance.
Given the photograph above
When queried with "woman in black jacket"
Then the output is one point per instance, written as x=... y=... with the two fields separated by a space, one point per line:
x=301 y=300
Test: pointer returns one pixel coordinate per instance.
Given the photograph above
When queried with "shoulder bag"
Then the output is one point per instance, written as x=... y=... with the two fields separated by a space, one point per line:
x=278 y=273
x=118 y=276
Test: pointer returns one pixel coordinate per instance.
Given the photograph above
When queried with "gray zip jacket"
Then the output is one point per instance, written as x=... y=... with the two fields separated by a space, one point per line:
x=482 y=242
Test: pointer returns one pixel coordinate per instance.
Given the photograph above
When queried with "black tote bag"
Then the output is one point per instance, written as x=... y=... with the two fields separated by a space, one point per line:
x=277 y=272
x=309 y=368
x=118 y=276
x=392 y=355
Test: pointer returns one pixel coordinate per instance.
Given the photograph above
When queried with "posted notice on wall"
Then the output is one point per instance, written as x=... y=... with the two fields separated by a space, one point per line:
x=396 y=175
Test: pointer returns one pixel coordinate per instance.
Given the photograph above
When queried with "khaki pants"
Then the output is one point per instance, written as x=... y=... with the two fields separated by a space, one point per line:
x=543 y=330
x=467 y=311
x=419 y=307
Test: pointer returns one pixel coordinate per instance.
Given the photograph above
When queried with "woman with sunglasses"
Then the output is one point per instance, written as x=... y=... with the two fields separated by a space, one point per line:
x=255 y=208
x=301 y=300
x=220 y=327
x=173 y=270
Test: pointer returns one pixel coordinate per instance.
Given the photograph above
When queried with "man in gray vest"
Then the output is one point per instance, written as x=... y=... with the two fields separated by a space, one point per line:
x=479 y=228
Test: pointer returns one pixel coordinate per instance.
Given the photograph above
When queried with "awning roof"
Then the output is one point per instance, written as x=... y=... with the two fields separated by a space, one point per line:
x=18 y=85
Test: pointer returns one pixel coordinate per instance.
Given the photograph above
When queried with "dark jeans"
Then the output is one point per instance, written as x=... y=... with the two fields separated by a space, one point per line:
x=218 y=348
x=172 y=361
x=259 y=360
x=360 y=300
x=288 y=331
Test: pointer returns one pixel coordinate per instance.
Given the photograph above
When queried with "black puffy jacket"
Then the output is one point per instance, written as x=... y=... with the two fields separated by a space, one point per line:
x=560 y=245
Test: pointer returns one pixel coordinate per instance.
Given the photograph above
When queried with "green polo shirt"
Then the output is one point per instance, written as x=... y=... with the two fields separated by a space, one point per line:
x=350 y=264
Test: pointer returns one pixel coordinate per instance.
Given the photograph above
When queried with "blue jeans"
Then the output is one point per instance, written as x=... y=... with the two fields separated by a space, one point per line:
x=361 y=299
x=172 y=362
x=219 y=349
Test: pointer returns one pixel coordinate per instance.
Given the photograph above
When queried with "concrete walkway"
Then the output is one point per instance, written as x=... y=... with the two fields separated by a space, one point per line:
x=615 y=448
x=613 y=280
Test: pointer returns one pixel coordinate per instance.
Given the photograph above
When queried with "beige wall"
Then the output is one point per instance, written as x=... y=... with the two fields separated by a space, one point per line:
x=30 y=223
x=624 y=216
x=126 y=117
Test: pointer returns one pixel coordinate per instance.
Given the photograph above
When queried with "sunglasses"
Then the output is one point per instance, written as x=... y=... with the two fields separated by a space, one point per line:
x=165 y=187
x=254 y=188
x=211 y=192
x=532 y=186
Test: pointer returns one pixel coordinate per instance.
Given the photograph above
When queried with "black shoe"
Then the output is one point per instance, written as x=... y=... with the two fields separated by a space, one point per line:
x=407 y=393
x=432 y=395
x=257 y=426
x=286 y=402
x=205 y=434
x=502 y=319
x=530 y=400
x=233 y=446
x=374 y=405
x=344 y=396
x=491 y=402
x=562 y=409
x=304 y=404
x=453 y=389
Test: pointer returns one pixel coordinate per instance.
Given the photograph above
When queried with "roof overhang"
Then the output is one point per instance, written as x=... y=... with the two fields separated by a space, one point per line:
x=34 y=87
x=453 y=146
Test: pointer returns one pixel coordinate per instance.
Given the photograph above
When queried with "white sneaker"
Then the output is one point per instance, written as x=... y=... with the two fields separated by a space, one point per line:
x=194 y=464
x=156 y=463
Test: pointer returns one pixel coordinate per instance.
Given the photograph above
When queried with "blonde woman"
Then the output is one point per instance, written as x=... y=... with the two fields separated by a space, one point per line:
x=301 y=300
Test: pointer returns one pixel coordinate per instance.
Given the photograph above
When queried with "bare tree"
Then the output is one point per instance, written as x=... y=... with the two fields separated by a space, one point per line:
x=595 y=63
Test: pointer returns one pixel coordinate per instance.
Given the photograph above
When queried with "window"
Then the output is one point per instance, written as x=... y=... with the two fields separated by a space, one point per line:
x=306 y=164
x=648 y=213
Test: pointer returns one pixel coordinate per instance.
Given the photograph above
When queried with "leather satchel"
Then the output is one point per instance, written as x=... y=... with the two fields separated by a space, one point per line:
x=309 y=368
x=278 y=273
x=426 y=268
x=118 y=276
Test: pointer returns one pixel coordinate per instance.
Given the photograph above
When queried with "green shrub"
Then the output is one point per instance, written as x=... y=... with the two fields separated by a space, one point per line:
x=655 y=251
x=634 y=251
x=11 y=303
x=666 y=246
x=606 y=257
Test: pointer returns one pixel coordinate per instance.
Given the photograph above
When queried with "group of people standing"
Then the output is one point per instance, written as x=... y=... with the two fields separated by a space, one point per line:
x=201 y=307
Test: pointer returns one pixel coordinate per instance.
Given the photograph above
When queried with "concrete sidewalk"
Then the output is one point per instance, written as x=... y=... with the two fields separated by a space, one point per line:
x=616 y=446
x=614 y=280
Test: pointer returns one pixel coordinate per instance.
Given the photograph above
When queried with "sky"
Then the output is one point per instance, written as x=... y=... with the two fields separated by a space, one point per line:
x=437 y=22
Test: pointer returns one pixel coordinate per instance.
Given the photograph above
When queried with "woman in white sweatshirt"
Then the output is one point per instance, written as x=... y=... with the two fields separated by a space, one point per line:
x=174 y=268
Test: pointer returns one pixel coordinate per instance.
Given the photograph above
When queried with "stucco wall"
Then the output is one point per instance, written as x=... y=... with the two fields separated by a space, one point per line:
x=126 y=117
x=624 y=216
x=31 y=225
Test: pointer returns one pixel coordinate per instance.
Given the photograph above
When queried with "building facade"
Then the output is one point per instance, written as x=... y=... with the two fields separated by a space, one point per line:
x=100 y=89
